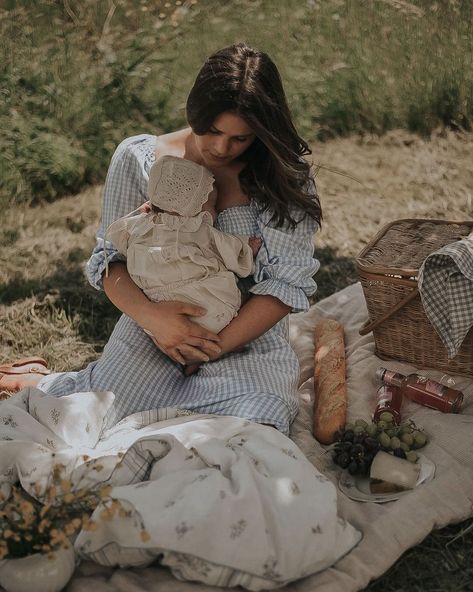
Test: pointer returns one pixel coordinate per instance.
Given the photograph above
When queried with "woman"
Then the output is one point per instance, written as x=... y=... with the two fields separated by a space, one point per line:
x=241 y=129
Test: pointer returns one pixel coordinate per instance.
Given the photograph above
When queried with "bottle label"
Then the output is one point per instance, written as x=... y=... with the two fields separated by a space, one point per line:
x=436 y=388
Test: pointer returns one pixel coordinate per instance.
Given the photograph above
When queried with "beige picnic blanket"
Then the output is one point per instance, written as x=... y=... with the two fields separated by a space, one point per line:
x=388 y=529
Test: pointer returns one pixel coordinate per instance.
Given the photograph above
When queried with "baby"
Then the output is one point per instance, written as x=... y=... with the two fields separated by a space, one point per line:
x=173 y=251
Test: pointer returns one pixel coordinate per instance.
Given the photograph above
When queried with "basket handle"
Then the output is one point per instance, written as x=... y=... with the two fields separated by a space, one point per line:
x=370 y=325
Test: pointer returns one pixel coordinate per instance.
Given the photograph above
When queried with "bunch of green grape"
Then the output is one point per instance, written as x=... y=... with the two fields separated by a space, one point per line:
x=357 y=445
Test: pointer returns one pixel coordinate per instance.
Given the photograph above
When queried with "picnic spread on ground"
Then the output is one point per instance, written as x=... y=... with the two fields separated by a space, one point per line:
x=228 y=502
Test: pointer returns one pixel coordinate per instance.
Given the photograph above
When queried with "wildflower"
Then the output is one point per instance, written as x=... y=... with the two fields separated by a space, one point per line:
x=44 y=510
x=51 y=492
x=43 y=525
x=28 y=526
x=58 y=537
x=26 y=507
x=66 y=485
x=89 y=525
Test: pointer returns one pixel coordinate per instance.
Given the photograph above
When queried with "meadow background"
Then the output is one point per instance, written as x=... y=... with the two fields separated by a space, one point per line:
x=381 y=89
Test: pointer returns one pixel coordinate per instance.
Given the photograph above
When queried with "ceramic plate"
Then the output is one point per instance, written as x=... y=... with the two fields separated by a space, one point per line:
x=357 y=487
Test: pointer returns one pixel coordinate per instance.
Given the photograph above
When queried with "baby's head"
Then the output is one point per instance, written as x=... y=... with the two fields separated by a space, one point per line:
x=182 y=187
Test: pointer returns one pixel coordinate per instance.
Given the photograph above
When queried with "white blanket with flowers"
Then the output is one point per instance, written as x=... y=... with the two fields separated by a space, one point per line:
x=218 y=500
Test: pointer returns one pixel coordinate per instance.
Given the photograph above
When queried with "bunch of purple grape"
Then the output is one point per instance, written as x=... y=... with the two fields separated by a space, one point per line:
x=356 y=446
x=355 y=452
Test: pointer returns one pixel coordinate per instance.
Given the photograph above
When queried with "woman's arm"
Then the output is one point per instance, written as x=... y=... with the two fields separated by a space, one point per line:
x=256 y=316
x=168 y=322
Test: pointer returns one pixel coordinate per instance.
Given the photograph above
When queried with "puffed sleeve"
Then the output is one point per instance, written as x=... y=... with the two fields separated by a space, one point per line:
x=285 y=262
x=125 y=190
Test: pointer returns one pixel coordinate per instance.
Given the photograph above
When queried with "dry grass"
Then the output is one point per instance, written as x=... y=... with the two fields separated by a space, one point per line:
x=399 y=176
x=46 y=307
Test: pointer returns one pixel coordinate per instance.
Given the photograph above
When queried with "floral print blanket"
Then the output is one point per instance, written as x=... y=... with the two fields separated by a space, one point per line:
x=220 y=500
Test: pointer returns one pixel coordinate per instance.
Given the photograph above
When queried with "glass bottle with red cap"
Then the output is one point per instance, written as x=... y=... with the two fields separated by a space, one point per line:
x=423 y=390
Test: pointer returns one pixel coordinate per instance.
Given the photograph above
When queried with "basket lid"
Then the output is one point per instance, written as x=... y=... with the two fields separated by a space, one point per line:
x=401 y=246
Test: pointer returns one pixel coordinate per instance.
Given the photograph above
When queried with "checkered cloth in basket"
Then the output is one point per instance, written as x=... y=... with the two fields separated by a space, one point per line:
x=446 y=289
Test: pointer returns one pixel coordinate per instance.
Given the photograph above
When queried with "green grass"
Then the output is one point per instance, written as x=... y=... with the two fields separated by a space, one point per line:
x=78 y=77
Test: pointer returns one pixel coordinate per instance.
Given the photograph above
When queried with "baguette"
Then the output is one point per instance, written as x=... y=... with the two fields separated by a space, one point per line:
x=330 y=391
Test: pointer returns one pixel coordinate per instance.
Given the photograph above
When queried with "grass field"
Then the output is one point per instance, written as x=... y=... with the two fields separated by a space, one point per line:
x=77 y=77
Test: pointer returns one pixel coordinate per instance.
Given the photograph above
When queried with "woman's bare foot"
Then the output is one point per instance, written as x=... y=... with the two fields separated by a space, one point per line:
x=23 y=373
x=14 y=383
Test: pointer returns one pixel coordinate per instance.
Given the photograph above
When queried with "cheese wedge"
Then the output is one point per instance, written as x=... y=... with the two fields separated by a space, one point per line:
x=389 y=473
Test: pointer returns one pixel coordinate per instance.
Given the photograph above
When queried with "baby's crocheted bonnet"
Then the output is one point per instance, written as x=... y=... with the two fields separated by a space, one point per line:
x=179 y=185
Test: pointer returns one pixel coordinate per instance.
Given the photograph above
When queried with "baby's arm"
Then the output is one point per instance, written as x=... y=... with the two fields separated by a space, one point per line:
x=117 y=233
x=235 y=251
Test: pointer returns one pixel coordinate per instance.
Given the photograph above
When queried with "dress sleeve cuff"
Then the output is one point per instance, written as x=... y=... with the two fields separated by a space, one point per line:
x=95 y=267
x=289 y=295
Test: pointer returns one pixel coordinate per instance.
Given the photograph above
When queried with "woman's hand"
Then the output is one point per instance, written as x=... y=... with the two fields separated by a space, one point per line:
x=258 y=314
x=171 y=329
x=168 y=323
x=192 y=368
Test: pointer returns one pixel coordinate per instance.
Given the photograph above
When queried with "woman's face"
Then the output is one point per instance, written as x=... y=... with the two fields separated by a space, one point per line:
x=228 y=137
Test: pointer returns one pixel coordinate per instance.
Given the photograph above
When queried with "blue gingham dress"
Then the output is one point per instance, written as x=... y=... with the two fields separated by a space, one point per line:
x=259 y=383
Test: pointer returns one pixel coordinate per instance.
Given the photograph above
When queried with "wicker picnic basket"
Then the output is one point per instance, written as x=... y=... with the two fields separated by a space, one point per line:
x=388 y=268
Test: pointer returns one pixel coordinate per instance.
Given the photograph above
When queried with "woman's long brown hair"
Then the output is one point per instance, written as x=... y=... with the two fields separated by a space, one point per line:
x=246 y=82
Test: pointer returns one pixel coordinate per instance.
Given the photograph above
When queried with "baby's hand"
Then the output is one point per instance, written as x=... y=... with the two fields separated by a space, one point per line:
x=255 y=244
x=145 y=208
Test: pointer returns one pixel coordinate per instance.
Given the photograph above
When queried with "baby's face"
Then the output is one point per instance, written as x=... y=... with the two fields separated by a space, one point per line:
x=211 y=204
